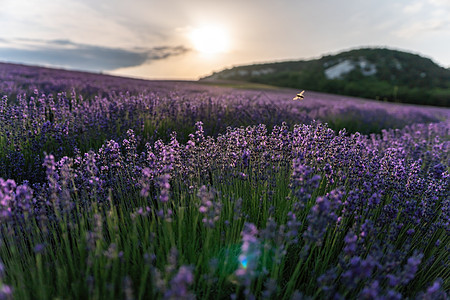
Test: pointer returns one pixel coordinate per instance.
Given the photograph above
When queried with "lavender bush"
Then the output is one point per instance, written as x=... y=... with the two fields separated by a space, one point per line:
x=118 y=194
x=58 y=112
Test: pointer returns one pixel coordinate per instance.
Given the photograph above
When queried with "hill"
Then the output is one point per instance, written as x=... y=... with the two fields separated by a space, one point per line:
x=375 y=73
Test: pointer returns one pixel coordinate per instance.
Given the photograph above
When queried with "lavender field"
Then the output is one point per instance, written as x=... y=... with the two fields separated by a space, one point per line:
x=118 y=188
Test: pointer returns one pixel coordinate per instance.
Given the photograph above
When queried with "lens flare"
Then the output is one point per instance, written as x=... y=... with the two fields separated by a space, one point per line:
x=243 y=261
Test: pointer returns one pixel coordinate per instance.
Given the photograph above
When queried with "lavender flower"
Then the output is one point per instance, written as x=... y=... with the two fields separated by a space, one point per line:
x=350 y=243
x=293 y=226
x=359 y=269
x=210 y=208
x=249 y=257
x=164 y=186
x=434 y=292
x=52 y=177
x=5 y=292
x=303 y=182
x=411 y=267
x=179 y=284
x=322 y=214
x=147 y=176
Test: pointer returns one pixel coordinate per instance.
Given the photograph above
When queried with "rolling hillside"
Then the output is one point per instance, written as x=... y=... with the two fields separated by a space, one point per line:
x=375 y=73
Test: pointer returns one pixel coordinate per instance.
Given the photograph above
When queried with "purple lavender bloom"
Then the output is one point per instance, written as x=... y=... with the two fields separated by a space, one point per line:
x=15 y=200
x=50 y=165
x=249 y=257
x=180 y=283
x=350 y=243
x=127 y=286
x=145 y=181
x=200 y=133
x=352 y=202
x=393 y=280
x=438 y=171
x=358 y=269
x=411 y=267
x=270 y=289
x=111 y=155
x=164 y=185
x=5 y=292
x=293 y=226
x=303 y=182
x=245 y=158
x=434 y=292
x=372 y=291
x=322 y=214
x=39 y=248
x=374 y=200
x=410 y=231
x=130 y=145
x=210 y=208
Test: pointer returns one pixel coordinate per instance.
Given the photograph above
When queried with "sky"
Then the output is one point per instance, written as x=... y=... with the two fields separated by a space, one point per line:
x=189 y=39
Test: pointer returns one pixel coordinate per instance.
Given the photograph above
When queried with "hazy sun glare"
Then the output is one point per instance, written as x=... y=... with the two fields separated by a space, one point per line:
x=210 y=39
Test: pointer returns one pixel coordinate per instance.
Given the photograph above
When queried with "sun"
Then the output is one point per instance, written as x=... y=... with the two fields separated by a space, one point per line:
x=210 y=39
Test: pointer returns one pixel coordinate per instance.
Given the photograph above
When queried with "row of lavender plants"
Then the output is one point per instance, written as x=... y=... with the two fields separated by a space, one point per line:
x=294 y=213
x=60 y=112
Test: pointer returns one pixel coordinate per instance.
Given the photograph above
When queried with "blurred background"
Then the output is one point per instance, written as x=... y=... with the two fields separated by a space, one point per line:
x=175 y=39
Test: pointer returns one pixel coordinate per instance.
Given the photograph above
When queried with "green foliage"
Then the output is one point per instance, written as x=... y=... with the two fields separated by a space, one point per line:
x=400 y=76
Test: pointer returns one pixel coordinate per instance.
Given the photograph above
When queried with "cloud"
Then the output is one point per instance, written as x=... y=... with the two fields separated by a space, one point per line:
x=71 y=55
x=416 y=29
x=413 y=8
x=443 y=3
x=423 y=18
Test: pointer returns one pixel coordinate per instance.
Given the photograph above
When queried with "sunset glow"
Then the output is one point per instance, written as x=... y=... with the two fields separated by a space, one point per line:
x=188 y=40
x=210 y=39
